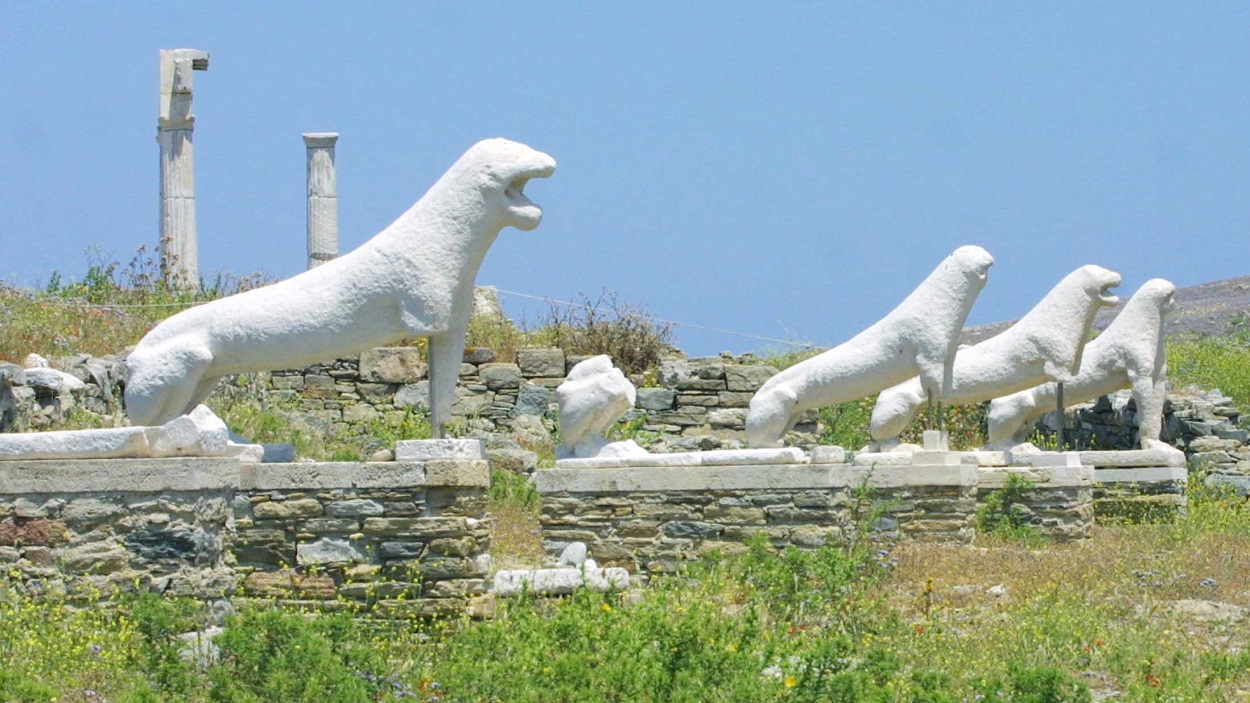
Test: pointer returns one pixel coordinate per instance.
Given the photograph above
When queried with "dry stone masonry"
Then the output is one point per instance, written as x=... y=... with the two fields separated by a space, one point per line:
x=406 y=538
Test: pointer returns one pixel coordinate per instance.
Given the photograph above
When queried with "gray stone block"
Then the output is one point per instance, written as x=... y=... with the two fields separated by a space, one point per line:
x=747 y=378
x=416 y=395
x=548 y=363
x=328 y=550
x=1242 y=436
x=358 y=507
x=479 y=355
x=656 y=398
x=534 y=400
x=1236 y=483
x=500 y=376
x=392 y=365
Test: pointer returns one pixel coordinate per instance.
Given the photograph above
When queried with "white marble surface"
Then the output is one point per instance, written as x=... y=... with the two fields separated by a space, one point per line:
x=439 y=449
x=414 y=279
x=1128 y=354
x=199 y=433
x=593 y=396
x=1045 y=345
x=559 y=582
x=917 y=337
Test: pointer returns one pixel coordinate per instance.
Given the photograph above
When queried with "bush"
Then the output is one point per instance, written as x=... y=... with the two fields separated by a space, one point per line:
x=271 y=655
x=634 y=339
x=1000 y=514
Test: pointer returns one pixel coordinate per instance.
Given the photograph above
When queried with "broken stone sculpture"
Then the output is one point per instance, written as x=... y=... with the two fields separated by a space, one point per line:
x=198 y=433
x=917 y=337
x=1128 y=354
x=414 y=279
x=592 y=398
x=1045 y=345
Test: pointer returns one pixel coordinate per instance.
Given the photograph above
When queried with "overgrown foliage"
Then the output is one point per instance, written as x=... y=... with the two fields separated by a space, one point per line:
x=634 y=339
x=111 y=307
x=1213 y=362
x=1003 y=512
x=870 y=622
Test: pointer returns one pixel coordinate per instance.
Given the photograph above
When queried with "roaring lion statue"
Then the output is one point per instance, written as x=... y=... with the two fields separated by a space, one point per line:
x=414 y=279
x=1045 y=345
x=1128 y=354
x=917 y=337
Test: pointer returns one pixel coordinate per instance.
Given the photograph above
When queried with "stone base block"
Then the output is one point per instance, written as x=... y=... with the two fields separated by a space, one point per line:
x=1056 y=498
x=559 y=582
x=417 y=450
x=1140 y=494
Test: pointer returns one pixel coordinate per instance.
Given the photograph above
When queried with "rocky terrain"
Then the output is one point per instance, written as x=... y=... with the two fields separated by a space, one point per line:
x=1207 y=309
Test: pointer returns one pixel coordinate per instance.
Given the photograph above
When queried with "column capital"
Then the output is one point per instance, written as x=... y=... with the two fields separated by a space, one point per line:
x=165 y=124
x=320 y=139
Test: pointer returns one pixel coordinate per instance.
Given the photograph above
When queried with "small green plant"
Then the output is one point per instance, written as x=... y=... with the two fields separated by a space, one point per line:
x=634 y=339
x=271 y=655
x=632 y=429
x=846 y=425
x=1003 y=512
x=1035 y=684
x=1212 y=362
x=159 y=621
x=512 y=489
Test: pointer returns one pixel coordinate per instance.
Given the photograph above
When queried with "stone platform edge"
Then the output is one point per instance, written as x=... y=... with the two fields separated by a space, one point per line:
x=215 y=473
x=749 y=478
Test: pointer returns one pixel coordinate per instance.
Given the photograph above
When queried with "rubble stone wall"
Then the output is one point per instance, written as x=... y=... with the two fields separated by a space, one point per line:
x=697 y=404
x=401 y=537
x=652 y=520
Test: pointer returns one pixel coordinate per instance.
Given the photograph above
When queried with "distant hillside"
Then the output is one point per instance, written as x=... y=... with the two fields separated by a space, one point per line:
x=1209 y=309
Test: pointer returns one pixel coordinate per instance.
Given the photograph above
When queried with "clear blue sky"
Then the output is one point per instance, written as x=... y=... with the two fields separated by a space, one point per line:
x=788 y=170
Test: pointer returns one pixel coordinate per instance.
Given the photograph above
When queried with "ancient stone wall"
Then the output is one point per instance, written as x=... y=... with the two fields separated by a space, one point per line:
x=697 y=404
x=402 y=537
x=653 y=520
x=1057 y=502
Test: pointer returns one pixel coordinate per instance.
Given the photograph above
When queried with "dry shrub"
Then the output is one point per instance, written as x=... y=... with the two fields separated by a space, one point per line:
x=634 y=339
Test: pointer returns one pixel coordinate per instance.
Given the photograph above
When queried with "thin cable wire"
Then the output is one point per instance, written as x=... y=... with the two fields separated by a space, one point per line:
x=568 y=303
x=545 y=299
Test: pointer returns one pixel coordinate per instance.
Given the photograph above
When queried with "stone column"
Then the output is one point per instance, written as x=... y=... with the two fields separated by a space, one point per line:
x=178 y=247
x=323 y=199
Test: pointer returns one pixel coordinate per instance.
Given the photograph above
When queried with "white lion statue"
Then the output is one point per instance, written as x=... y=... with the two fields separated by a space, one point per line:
x=414 y=279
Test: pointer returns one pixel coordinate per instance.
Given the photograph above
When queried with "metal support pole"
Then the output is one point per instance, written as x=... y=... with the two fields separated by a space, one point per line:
x=1062 y=422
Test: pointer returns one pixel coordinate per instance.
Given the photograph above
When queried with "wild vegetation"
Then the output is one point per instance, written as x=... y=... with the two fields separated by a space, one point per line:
x=1124 y=614
x=1149 y=612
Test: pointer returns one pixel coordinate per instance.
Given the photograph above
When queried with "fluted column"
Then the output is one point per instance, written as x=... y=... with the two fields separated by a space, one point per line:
x=178 y=245
x=323 y=199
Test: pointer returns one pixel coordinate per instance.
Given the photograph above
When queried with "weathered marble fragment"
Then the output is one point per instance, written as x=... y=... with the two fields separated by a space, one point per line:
x=559 y=582
x=917 y=337
x=593 y=397
x=199 y=433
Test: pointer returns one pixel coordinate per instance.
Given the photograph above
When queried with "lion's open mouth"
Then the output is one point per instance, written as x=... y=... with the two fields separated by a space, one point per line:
x=527 y=213
x=1105 y=294
x=515 y=193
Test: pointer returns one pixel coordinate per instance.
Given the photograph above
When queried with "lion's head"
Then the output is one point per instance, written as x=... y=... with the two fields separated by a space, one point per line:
x=1059 y=325
x=973 y=261
x=500 y=169
x=1138 y=330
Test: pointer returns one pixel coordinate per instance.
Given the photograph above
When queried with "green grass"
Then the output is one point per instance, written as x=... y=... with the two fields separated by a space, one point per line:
x=1212 y=362
x=873 y=622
